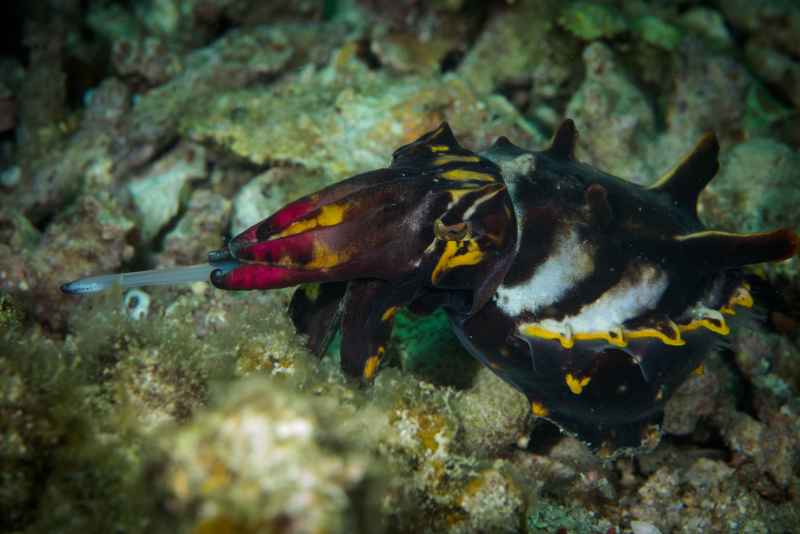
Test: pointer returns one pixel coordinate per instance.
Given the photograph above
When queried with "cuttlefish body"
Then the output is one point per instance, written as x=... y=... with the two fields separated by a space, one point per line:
x=593 y=296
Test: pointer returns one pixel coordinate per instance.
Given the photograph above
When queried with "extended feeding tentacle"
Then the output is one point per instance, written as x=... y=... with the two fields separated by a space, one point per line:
x=153 y=277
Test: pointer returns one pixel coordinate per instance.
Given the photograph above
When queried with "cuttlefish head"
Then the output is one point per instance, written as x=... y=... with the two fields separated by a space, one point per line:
x=439 y=217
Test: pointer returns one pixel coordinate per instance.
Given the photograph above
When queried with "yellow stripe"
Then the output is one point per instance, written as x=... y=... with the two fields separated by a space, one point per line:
x=439 y=148
x=298 y=227
x=718 y=233
x=457 y=194
x=534 y=330
x=464 y=175
x=620 y=337
x=449 y=260
x=722 y=329
x=329 y=215
x=675 y=341
x=613 y=337
x=442 y=160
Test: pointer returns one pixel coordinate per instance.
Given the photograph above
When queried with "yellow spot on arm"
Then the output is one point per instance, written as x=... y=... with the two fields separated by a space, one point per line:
x=389 y=314
x=450 y=258
x=325 y=258
x=372 y=363
x=576 y=385
x=329 y=215
x=298 y=227
x=439 y=148
x=539 y=410
x=700 y=370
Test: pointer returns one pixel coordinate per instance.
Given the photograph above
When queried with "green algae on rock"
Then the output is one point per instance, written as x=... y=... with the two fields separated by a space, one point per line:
x=592 y=20
x=533 y=48
x=546 y=516
x=350 y=106
x=657 y=32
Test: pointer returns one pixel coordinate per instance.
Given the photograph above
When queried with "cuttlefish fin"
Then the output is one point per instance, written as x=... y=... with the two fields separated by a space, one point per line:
x=719 y=250
x=564 y=141
x=687 y=179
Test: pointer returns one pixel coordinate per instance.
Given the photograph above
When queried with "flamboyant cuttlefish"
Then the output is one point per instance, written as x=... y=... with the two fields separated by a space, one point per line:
x=593 y=296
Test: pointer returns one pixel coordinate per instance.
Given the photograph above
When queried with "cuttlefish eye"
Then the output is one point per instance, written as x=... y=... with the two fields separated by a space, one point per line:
x=453 y=232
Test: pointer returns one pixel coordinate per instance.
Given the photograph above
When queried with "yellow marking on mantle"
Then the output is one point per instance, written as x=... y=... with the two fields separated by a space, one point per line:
x=576 y=385
x=711 y=320
x=465 y=175
x=675 y=340
x=741 y=297
x=454 y=158
x=534 y=330
x=722 y=329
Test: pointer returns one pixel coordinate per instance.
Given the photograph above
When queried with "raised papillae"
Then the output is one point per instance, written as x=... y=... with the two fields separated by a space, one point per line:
x=593 y=296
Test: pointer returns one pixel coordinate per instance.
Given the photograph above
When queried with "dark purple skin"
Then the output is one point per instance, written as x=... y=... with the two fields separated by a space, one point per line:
x=443 y=226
